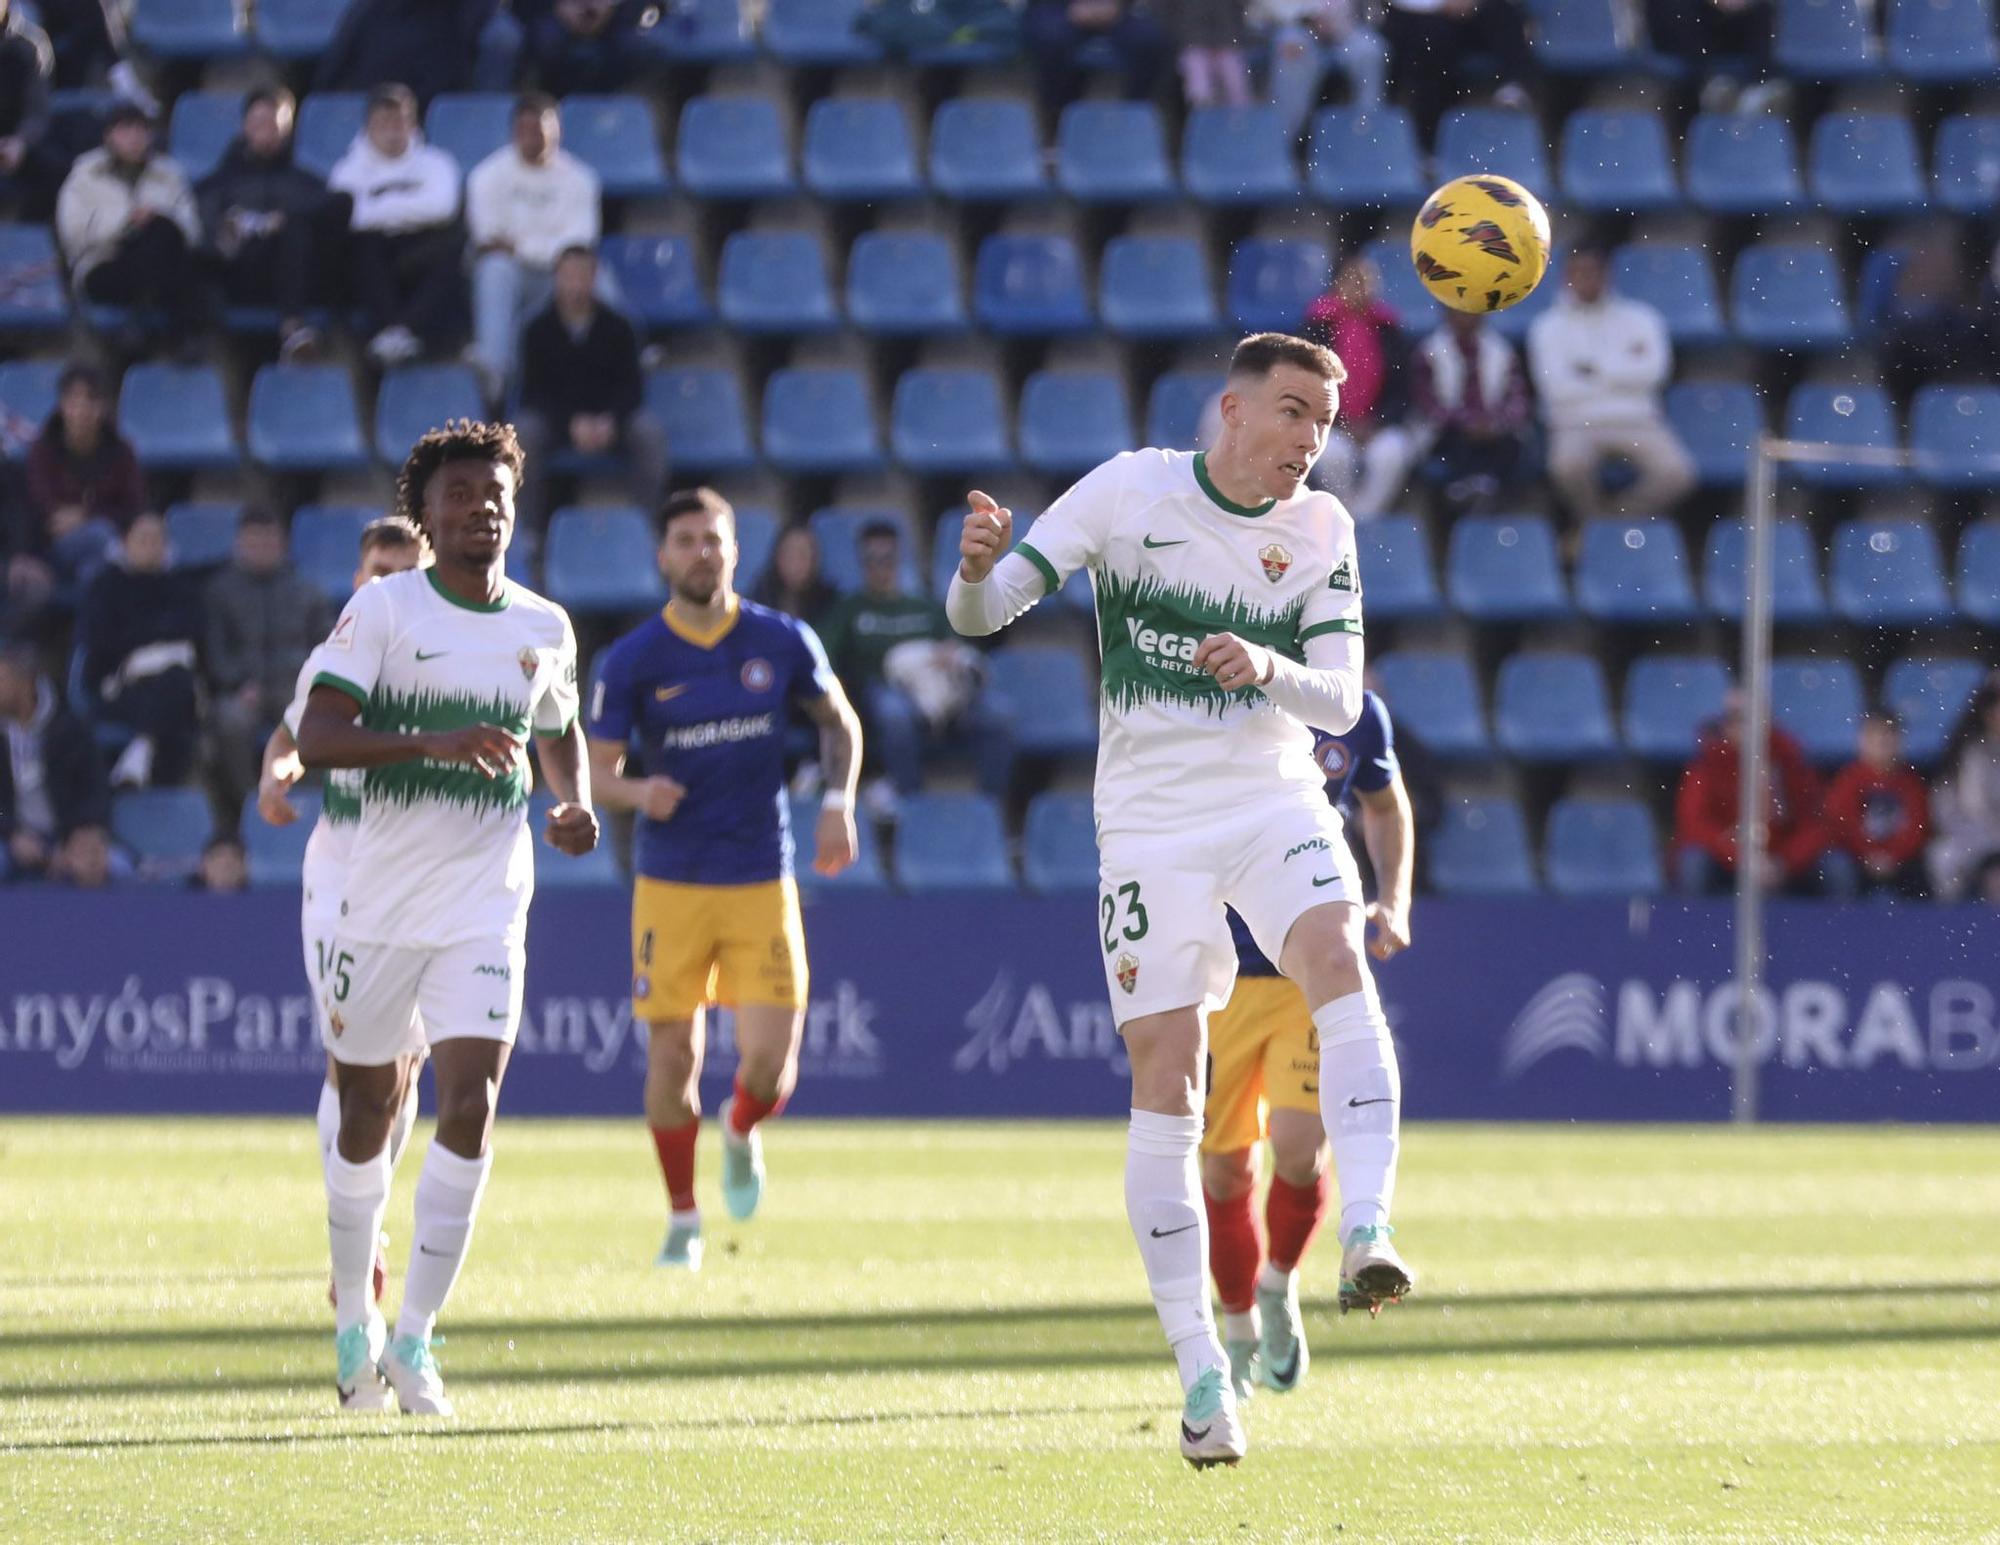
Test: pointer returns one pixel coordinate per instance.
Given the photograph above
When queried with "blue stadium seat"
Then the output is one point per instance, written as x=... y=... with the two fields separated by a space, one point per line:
x=904 y=283
x=303 y=419
x=1579 y=37
x=1503 y=568
x=949 y=420
x=1493 y=139
x=733 y=148
x=326 y=545
x=1797 y=597
x=775 y=282
x=819 y=419
x=164 y=829
x=415 y=399
x=984 y=149
x=1071 y=420
x=1617 y=159
x=177 y=418
x=596 y=870
x=1930 y=697
x=602 y=561
x=859 y=149
x=295 y=29
x=756 y=540
x=1059 y=844
x=1966 y=163
x=1719 y=423
x=1679 y=283
x=1742 y=164
x=1364 y=160
x=1818 y=701
x=32 y=295
x=470 y=125
x=1827 y=40
x=1175 y=406
x=200 y=30
x=1396 y=571
x=1112 y=153
x=1480 y=848
x=951 y=842
x=1788 y=296
x=326 y=126
x=202 y=125
x=1238 y=155
x=1888 y=574
x=1942 y=42
x=1979 y=572
x=1272 y=282
x=1634 y=572
x=1866 y=164
x=1955 y=431
x=1668 y=698
x=276 y=855
x=1045 y=691
x=818 y=32
x=615 y=137
x=864 y=874
x=1156 y=287
x=838 y=530
x=1553 y=708
x=27 y=398
x=1030 y=285
x=702 y=410
x=1859 y=416
x=706 y=32
x=657 y=279
x=200 y=536
x=1602 y=847
x=1417 y=313
x=1435 y=696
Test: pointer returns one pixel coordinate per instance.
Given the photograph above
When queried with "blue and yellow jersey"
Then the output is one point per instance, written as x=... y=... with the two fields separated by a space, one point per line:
x=710 y=710
x=1364 y=759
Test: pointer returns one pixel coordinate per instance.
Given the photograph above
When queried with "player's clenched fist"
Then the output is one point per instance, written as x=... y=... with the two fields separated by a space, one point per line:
x=1232 y=661
x=988 y=533
x=662 y=797
x=487 y=747
x=572 y=829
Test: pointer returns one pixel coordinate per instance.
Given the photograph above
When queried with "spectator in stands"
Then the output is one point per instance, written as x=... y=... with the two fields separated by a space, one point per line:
x=582 y=390
x=1208 y=42
x=1600 y=361
x=1708 y=805
x=1056 y=31
x=1355 y=322
x=1965 y=854
x=1310 y=37
x=127 y=223
x=1877 y=814
x=1432 y=41
x=428 y=45
x=525 y=204
x=92 y=46
x=27 y=63
x=793 y=584
x=1469 y=398
x=139 y=633
x=51 y=780
x=911 y=697
x=84 y=489
x=88 y=861
x=409 y=248
x=585 y=45
x=1925 y=308
x=1722 y=44
x=225 y=867
x=262 y=622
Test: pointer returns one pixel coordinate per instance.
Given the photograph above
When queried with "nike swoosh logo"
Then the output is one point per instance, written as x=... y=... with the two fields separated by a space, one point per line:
x=1326 y=879
x=434 y=654
x=1354 y=1104
x=1165 y=1233
x=427 y=1250
x=1190 y=1435
x=1177 y=542
x=492 y=1014
x=1289 y=1375
x=667 y=694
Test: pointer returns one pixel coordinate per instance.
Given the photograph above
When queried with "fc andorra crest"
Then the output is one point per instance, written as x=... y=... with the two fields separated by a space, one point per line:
x=1275 y=560
x=1128 y=973
x=530 y=662
x=758 y=675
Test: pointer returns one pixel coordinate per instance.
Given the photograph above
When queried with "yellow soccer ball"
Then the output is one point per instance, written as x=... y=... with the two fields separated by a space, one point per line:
x=1481 y=243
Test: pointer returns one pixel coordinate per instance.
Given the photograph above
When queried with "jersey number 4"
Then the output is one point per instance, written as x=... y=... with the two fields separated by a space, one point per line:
x=1135 y=916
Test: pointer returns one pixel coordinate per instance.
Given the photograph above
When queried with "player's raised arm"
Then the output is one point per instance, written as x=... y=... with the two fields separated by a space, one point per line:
x=993 y=586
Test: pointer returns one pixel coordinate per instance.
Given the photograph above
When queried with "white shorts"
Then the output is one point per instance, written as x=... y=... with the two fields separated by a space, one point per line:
x=1160 y=924
x=379 y=1002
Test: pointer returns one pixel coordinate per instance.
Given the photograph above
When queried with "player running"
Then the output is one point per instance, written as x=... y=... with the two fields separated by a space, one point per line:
x=1264 y=1081
x=695 y=700
x=430 y=682
x=1229 y=619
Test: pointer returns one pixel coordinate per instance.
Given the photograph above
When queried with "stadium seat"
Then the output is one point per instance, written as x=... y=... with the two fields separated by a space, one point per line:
x=202 y=125
x=1966 y=163
x=1846 y=416
x=1942 y=42
x=303 y=419
x=199 y=536
x=195 y=30
x=1156 y=287
x=705 y=32
x=1678 y=282
x=1175 y=406
x=775 y=282
x=949 y=420
x=275 y=855
x=32 y=294
x=326 y=546
x=1553 y=708
x=1503 y=568
x=1866 y=164
x=1493 y=139
x=864 y=874
x=1797 y=598
x=1359 y=159
x=733 y=147
x=702 y=410
x=615 y=137
x=951 y=842
x=471 y=125
x=1634 y=572
x=414 y=399
x=1238 y=155
x=1112 y=153
x=818 y=419
x=326 y=126
x=818 y=32
x=295 y=29
x=1888 y=574
x=1979 y=572
x=1930 y=697
x=859 y=150
x=1579 y=37
x=658 y=281
x=1742 y=164
x=1602 y=847
x=1271 y=282
x=1480 y=848
x=1059 y=844
x=838 y=530
x=1668 y=699
x=602 y=561
x=1417 y=313
x=756 y=540
x=27 y=398
x=1030 y=285
x=177 y=418
x=1617 y=160
x=1955 y=431
x=1719 y=423
x=1787 y=296
x=984 y=149
x=1046 y=693
x=1396 y=572
x=1071 y=420
x=1826 y=40
x=596 y=870
x=903 y=283
x=1434 y=696
x=1818 y=700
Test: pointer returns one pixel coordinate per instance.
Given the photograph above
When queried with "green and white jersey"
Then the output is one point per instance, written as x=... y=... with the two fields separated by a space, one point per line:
x=441 y=853
x=1172 y=561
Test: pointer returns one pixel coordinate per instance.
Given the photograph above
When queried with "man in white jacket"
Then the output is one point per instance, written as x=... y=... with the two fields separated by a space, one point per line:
x=1599 y=361
x=408 y=245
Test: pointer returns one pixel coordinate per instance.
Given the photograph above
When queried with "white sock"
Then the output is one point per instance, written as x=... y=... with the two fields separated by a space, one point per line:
x=448 y=1195
x=1241 y=1325
x=406 y=1123
x=1361 y=1103
x=328 y=1117
x=1272 y=1280
x=356 y=1197
x=689 y=1219
x=1163 y=1203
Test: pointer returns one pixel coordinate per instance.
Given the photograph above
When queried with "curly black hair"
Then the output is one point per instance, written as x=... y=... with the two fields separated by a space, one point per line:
x=461 y=439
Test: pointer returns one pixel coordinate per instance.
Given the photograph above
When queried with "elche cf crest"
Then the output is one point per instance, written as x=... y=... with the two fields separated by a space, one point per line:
x=1128 y=973
x=1275 y=560
x=530 y=662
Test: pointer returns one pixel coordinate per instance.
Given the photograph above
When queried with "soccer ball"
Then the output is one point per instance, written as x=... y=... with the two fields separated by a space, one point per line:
x=1481 y=243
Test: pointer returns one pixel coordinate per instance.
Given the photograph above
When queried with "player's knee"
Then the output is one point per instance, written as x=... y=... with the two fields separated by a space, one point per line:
x=1298 y=1158
x=466 y=1109
x=1227 y=1176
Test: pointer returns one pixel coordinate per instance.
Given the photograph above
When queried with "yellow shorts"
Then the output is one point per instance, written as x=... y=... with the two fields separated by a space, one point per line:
x=1263 y=1051
x=699 y=944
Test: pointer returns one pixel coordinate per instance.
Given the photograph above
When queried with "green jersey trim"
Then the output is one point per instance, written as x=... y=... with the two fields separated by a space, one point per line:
x=1248 y=511
x=1337 y=625
x=341 y=684
x=506 y=596
x=1148 y=632
x=1042 y=566
x=424 y=781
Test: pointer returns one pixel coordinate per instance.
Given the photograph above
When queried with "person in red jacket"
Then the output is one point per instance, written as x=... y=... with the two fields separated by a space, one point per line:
x=1708 y=806
x=1877 y=816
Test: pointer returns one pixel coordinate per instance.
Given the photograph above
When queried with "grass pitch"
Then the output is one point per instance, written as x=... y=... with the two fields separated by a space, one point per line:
x=939 y=1332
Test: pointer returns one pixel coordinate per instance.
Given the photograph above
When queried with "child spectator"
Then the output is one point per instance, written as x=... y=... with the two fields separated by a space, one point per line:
x=1877 y=815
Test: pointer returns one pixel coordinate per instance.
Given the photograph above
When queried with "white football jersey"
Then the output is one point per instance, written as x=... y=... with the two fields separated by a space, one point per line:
x=339 y=813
